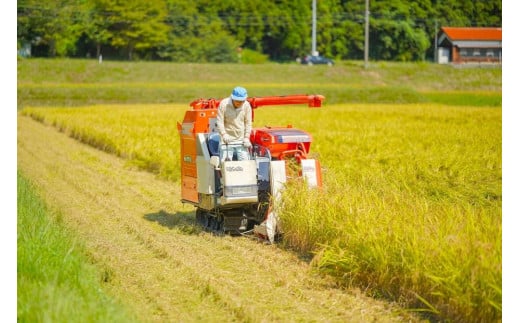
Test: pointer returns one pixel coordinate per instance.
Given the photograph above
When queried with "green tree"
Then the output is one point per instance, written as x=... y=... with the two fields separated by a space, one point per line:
x=134 y=25
x=95 y=27
x=196 y=37
x=353 y=22
x=398 y=40
x=332 y=33
x=292 y=38
x=53 y=24
x=465 y=13
x=280 y=29
x=213 y=30
x=394 y=34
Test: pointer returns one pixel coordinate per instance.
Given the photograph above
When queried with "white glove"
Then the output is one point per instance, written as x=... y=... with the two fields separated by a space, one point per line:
x=226 y=138
x=247 y=143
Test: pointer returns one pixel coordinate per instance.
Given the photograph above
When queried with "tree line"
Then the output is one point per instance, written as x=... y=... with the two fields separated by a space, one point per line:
x=229 y=31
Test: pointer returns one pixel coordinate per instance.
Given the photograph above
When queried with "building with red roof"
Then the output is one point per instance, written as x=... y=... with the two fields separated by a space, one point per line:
x=469 y=44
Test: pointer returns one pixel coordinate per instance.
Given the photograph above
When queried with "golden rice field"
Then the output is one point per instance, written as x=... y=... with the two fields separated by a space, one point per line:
x=411 y=207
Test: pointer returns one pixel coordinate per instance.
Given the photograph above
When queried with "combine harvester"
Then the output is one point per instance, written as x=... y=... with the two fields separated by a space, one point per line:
x=239 y=197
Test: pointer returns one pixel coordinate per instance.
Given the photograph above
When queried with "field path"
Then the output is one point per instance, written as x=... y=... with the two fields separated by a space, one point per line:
x=157 y=262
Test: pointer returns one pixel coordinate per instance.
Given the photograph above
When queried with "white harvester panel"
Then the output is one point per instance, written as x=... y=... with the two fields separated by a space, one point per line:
x=240 y=182
x=310 y=172
x=205 y=172
x=278 y=180
x=205 y=176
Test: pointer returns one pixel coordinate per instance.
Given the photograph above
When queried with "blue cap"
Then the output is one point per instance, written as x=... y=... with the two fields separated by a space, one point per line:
x=239 y=94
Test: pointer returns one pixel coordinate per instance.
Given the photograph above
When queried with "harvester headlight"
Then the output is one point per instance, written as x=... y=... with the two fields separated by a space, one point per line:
x=248 y=190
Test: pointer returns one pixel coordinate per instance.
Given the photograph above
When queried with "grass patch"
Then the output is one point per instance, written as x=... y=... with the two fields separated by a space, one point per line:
x=412 y=204
x=78 y=82
x=56 y=283
x=464 y=98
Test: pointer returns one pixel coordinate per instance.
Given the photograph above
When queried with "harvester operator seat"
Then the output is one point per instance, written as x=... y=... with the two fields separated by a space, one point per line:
x=214 y=144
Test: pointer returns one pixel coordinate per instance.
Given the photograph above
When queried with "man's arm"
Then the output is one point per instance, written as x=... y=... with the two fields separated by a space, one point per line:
x=220 y=119
x=248 y=122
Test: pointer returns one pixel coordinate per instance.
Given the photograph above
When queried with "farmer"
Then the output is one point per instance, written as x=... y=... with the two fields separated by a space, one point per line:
x=234 y=121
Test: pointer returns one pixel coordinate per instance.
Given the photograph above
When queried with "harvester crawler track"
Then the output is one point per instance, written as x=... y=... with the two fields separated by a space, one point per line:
x=220 y=223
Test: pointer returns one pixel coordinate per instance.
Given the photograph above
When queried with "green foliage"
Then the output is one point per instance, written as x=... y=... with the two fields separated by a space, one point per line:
x=53 y=25
x=208 y=42
x=248 y=56
x=55 y=281
x=182 y=30
x=468 y=12
x=411 y=46
x=135 y=25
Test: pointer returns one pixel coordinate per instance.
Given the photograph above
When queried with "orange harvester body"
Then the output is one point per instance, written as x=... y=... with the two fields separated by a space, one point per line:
x=205 y=187
x=198 y=119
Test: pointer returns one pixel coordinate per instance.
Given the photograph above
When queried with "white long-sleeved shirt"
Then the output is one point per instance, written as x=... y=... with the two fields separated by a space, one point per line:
x=236 y=122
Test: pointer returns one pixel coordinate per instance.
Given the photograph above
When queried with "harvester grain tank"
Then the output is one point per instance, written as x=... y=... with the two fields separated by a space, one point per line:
x=238 y=196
